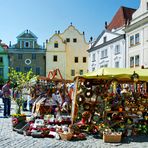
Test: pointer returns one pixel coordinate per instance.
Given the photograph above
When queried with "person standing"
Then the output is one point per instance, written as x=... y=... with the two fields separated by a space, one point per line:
x=6 y=98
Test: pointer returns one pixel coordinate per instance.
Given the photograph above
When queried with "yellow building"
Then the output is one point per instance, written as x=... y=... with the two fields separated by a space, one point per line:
x=67 y=51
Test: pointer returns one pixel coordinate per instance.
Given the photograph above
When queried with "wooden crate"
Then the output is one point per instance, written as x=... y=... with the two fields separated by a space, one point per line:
x=112 y=137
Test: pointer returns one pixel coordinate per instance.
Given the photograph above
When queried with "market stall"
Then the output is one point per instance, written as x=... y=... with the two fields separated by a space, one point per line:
x=51 y=100
x=112 y=102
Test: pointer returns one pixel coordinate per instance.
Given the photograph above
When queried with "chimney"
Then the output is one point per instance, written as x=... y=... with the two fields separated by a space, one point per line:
x=43 y=45
x=55 y=32
x=91 y=38
x=105 y=25
x=46 y=41
x=83 y=33
x=0 y=41
x=10 y=44
x=58 y=31
x=27 y=31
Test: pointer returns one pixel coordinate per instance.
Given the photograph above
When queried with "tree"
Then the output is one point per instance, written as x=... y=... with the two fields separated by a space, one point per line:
x=19 y=81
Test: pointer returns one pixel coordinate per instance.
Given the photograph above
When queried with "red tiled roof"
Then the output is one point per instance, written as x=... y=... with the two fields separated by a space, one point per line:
x=121 y=18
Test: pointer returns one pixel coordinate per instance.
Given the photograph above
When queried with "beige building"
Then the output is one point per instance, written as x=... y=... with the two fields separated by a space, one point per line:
x=67 y=51
x=137 y=37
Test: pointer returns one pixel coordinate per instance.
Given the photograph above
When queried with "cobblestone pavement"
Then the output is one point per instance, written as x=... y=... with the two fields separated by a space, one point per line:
x=11 y=139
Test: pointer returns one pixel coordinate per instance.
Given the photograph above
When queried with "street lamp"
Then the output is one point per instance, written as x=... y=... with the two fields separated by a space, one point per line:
x=135 y=77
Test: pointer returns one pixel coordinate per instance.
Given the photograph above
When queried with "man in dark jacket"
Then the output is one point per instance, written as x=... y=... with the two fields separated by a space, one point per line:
x=6 y=98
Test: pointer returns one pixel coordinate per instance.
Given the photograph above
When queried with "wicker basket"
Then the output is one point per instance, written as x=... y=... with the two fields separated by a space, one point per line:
x=112 y=137
x=66 y=136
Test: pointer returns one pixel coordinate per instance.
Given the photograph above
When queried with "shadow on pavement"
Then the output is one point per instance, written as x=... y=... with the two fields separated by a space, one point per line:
x=140 y=138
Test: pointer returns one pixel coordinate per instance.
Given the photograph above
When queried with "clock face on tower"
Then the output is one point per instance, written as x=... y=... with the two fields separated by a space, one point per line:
x=27 y=61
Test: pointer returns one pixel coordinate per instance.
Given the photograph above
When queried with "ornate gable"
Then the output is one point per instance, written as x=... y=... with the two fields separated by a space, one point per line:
x=27 y=34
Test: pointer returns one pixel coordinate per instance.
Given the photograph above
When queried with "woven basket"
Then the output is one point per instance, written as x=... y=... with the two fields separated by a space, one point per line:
x=112 y=137
x=66 y=136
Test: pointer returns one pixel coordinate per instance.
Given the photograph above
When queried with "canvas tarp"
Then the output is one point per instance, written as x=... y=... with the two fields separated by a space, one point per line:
x=117 y=73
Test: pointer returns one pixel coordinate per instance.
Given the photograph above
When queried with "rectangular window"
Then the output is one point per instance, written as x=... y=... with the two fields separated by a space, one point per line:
x=18 y=69
x=67 y=39
x=93 y=69
x=105 y=65
x=105 y=53
x=131 y=40
x=74 y=40
x=76 y=59
x=137 y=60
x=72 y=72
x=1 y=72
x=20 y=56
x=81 y=72
x=37 y=70
x=117 y=49
x=84 y=59
x=102 y=54
x=56 y=45
x=137 y=38
x=55 y=58
x=26 y=69
x=34 y=56
x=131 y=61
x=93 y=57
x=117 y=64
x=1 y=59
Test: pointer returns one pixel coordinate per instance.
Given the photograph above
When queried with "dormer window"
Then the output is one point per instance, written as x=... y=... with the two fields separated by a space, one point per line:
x=26 y=44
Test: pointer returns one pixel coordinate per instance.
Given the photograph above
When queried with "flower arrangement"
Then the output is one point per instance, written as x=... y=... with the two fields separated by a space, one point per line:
x=20 y=117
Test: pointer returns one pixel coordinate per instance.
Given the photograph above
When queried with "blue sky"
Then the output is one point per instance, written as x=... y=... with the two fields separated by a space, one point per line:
x=44 y=17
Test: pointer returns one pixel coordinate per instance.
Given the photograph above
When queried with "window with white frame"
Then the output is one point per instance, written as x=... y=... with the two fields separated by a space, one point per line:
x=137 y=38
x=104 y=65
x=137 y=60
x=131 y=40
x=131 y=61
x=93 y=68
x=104 y=53
x=117 y=64
x=117 y=49
x=93 y=57
x=27 y=44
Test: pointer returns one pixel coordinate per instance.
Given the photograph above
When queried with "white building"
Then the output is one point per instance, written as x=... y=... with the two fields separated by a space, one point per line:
x=109 y=48
x=137 y=37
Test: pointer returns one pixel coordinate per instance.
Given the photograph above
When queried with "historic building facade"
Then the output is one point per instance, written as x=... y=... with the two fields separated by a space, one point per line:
x=67 y=51
x=109 y=49
x=137 y=37
x=3 y=63
x=26 y=54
